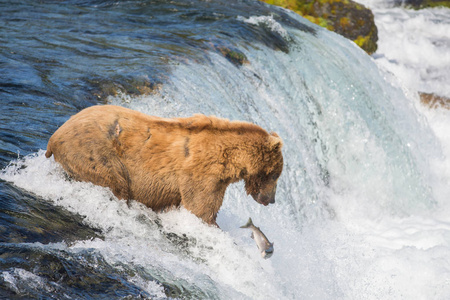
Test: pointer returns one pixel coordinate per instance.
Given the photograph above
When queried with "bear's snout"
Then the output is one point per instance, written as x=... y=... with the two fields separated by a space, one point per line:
x=265 y=198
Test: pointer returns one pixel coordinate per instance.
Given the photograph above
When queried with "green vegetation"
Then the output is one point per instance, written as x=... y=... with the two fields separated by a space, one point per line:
x=418 y=4
x=345 y=17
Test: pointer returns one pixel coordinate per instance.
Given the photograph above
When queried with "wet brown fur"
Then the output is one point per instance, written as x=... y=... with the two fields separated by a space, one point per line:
x=167 y=162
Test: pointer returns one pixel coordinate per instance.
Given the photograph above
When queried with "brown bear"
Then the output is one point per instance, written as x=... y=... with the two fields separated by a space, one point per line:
x=165 y=162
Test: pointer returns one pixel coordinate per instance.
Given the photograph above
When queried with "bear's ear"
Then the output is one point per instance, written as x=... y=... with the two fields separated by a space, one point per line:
x=275 y=142
x=273 y=133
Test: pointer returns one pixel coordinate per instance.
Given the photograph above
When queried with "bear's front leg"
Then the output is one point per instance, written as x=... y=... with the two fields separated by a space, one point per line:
x=203 y=197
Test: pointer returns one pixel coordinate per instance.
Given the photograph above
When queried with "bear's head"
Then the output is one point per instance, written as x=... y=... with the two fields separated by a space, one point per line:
x=261 y=183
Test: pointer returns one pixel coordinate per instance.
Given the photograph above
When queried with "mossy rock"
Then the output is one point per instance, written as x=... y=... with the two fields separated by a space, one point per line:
x=233 y=55
x=345 y=17
x=136 y=86
x=419 y=4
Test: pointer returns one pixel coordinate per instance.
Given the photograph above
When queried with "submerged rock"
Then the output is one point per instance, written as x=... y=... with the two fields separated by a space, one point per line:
x=137 y=86
x=345 y=17
x=434 y=101
x=31 y=219
x=234 y=56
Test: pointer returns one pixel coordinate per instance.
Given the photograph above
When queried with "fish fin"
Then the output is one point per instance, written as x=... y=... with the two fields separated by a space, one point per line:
x=249 y=223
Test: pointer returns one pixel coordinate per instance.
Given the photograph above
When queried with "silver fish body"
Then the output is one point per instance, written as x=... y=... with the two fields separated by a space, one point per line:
x=261 y=240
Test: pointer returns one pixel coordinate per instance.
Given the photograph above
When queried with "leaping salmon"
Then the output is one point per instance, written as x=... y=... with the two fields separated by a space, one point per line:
x=261 y=240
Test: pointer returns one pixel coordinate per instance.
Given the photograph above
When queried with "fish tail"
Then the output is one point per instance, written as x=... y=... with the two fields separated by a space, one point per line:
x=249 y=223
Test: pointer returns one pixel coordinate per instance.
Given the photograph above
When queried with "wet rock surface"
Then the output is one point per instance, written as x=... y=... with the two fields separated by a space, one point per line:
x=345 y=17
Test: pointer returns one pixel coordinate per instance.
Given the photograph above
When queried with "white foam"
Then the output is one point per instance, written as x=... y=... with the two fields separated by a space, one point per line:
x=153 y=288
x=10 y=280
x=18 y=278
x=414 y=45
x=268 y=21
